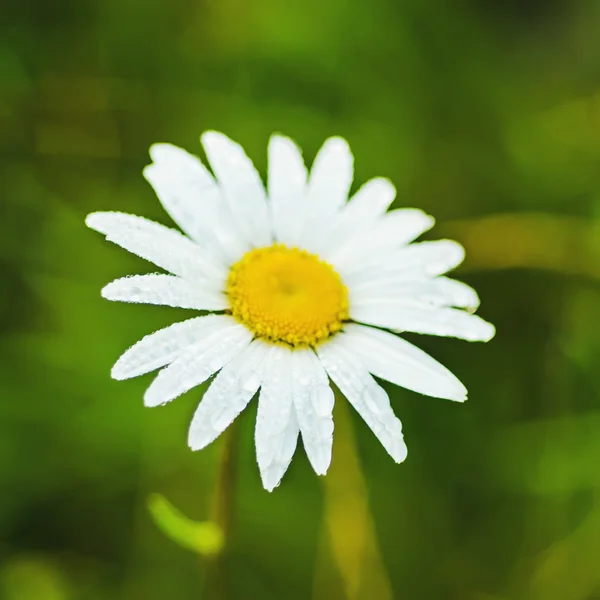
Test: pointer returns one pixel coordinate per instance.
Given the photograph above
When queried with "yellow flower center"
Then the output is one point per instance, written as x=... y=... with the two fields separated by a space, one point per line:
x=287 y=295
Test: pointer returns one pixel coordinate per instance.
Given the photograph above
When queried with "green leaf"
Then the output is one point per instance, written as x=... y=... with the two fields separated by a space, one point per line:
x=205 y=537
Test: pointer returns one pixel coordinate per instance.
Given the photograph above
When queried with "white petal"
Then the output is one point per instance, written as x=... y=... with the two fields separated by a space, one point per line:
x=328 y=188
x=426 y=258
x=198 y=362
x=432 y=258
x=241 y=186
x=371 y=201
x=368 y=398
x=440 y=291
x=403 y=225
x=358 y=215
x=160 y=245
x=193 y=199
x=228 y=395
x=166 y=290
x=313 y=400
x=184 y=187
x=450 y=292
x=276 y=433
x=394 y=230
x=331 y=176
x=164 y=346
x=390 y=357
x=287 y=188
x=448 y=322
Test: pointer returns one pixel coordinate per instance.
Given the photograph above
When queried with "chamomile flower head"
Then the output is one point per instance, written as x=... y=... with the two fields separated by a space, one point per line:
x=298 y=285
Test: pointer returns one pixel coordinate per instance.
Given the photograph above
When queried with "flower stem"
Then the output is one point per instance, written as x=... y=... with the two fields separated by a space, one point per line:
x=222 y=514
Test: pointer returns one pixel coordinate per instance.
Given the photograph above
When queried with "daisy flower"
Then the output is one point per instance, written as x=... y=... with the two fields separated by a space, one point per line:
x=302 y=286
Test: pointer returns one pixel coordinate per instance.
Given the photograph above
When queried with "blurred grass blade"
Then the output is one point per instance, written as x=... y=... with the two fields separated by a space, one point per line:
x=536 y=240
x=349 y=522
x=569 y=568
x=32 y=578
x=205 y=538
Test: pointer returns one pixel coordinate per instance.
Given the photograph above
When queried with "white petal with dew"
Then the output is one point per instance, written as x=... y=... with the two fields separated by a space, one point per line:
x=313 y=400
x=371 y=200
x=327 y=192
x=166 y=290
x=389 y=357
x=228 y=395
x=191 y=196
x=241 y=186
x=184 y=187
x=166 y=248
x=198 y=362
x=165 y=345
x=447 y=322
x=403 y=225
x=432 y=258
x=361 y=212
x=368 y=398
x=439 y=291
x=393 y=230
x=331 y=176
x=276 y=433
x=450 y=292
x=287 y=188
x=425 y=258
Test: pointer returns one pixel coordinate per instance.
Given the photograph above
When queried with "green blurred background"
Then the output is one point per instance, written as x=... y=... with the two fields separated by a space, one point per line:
x=484 y=113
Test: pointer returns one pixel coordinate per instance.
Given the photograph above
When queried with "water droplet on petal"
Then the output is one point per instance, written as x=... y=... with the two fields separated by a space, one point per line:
x=322 y=400
x=222 y=418
x=249 y=380
x=374 y=398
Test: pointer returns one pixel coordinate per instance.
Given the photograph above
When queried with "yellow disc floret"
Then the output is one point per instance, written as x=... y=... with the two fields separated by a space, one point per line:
x=287 y=295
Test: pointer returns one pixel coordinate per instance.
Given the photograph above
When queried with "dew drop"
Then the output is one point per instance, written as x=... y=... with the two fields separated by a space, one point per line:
x=372 y=399
x=221 y=419
x=249 y=380
x=322 y=400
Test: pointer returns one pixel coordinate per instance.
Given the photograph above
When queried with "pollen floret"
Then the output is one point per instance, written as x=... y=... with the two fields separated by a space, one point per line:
x=287 y=295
